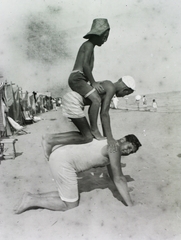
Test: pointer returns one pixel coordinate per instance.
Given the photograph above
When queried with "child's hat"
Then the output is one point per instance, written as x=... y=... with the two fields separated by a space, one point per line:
x=129 y=82
x=99 y=26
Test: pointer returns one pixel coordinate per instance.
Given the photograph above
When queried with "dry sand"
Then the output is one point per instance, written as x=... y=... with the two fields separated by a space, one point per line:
x=153 y=175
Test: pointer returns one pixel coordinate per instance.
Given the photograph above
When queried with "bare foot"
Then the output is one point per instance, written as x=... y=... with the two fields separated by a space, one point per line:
x=24 y=203
x=97 y=135
x=47 y=148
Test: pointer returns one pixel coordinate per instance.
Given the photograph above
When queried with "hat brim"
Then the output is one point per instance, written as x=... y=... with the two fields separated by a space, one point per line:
x=95 y=32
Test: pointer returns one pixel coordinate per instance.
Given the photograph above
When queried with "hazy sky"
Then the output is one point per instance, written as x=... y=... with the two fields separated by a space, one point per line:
x=40 y=39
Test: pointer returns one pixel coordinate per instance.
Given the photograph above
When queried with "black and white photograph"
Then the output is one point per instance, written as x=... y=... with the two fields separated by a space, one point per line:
x=90 y=129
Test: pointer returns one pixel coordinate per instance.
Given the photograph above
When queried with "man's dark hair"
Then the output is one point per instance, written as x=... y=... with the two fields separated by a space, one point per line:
x=134 y=140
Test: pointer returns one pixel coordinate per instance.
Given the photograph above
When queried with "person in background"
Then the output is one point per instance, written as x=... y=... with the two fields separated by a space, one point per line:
x=154 y=105
x=114 y=102
x=144 y=102
x=54 y=104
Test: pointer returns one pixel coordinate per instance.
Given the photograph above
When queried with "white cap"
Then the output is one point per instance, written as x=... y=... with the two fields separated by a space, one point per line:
x=129 y=82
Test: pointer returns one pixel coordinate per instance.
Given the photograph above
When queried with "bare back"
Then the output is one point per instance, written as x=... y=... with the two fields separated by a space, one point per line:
x=85 y=56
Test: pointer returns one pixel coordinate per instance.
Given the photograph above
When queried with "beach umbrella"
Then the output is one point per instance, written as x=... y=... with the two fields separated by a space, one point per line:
x=138 y=97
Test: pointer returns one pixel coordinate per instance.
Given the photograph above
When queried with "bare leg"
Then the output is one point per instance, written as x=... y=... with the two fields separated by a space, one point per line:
x=93 y=115
x=84 y=136
x=49 y=201
x=51 y=140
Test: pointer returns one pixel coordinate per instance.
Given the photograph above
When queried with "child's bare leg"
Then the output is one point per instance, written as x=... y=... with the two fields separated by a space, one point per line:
x=32 y=201
x=93 y=115
x=84 y=136
x=51 y=140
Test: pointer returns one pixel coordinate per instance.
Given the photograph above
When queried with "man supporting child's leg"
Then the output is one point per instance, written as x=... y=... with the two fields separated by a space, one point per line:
x=73 y=137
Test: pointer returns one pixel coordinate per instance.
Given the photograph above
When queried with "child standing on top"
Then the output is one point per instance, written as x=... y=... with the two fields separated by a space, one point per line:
x=81 y=79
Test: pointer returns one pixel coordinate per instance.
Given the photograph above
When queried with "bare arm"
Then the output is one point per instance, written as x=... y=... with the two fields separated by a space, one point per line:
x=104 y=113
x=88 y=63
x=117 y=176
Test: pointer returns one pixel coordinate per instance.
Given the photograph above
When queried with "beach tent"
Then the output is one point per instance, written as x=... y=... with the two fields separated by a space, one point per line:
x=10 y=99
x=13 y=102
x=2 y=115
x=33 y=104
x=43 y=101
x=5 y=129
x=18 y=115
x=25 y=102
x=27 y=109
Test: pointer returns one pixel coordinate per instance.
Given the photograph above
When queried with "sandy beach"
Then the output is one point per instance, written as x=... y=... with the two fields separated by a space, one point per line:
x=38 y=46
x=153 y=175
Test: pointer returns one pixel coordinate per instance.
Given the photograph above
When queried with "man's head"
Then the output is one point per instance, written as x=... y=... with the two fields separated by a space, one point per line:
x=99 y=31
x=129 y=144
x=125 y=86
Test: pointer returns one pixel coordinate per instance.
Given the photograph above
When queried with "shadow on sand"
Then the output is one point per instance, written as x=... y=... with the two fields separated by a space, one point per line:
x=97 y=178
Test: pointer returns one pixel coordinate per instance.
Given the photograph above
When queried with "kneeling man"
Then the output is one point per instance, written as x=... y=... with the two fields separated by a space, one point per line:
x=66 y=161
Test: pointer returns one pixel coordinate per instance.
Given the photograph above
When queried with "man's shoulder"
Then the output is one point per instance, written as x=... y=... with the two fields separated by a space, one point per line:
x=107 y=82
x=110 y=90
x=108 y=86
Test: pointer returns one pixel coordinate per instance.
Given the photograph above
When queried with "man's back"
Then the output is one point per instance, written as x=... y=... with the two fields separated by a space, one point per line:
x=82 y=156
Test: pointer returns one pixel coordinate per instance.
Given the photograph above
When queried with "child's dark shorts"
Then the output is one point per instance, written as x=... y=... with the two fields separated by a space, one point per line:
x=79 y=83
